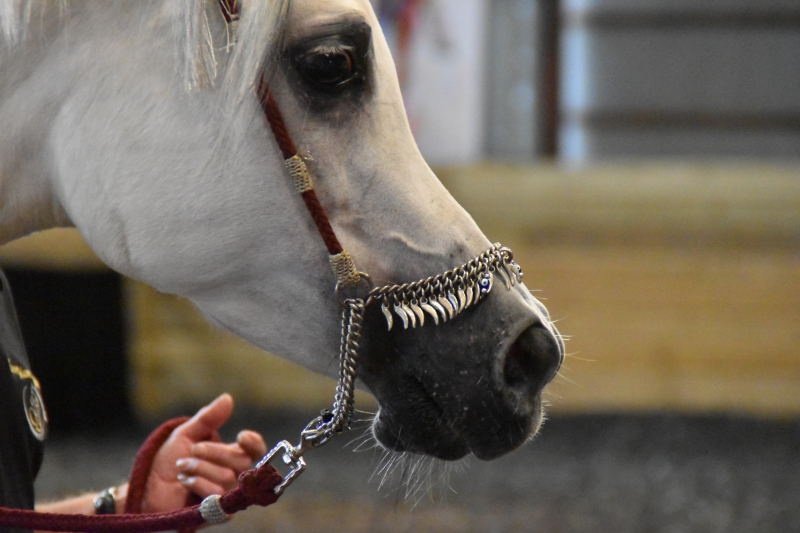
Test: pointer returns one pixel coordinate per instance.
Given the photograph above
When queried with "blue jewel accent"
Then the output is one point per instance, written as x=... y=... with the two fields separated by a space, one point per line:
x=485 y=282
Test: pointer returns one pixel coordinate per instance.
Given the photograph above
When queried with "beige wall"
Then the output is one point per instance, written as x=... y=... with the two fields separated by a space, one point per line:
x=678 y=284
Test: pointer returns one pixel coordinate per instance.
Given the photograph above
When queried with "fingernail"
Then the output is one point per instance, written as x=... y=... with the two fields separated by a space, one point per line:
x=185 y=480
x=182 y=464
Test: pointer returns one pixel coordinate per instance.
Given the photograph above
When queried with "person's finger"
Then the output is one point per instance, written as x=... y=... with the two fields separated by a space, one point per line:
x=252 y=443
x=200 y=486
x=227 y=455
x=208 y=419
x=219 y=475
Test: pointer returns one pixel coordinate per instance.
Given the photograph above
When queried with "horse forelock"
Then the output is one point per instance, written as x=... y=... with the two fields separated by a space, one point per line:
x=14 y=17
x=198 y=48
x=259 y=31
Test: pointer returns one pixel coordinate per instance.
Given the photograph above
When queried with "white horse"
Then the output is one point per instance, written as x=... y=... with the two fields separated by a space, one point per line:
x=138 y=123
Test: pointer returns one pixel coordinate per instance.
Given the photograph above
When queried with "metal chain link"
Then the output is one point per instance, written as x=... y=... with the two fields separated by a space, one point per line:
x=464 y=275
x=443 y=297
x=338 y=420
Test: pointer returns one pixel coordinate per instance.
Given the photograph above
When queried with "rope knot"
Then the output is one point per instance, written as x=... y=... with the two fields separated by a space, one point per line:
x=258 y=485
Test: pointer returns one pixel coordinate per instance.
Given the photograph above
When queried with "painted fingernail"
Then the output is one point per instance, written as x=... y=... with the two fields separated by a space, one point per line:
x=185 y=480
x=186 y=464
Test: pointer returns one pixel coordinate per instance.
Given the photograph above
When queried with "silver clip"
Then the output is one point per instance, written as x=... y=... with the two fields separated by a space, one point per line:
x=439 y=307
x=388 y=315
x=470 y=296
x=292 y=456
x=400 y=312
x=428 y=308
x=451 y=297
x=462 y=300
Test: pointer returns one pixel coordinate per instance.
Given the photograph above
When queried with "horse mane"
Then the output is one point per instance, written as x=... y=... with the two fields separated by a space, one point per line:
x=259 y=31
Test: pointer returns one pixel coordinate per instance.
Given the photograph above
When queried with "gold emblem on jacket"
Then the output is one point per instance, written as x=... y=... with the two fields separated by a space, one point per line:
x=32 y=401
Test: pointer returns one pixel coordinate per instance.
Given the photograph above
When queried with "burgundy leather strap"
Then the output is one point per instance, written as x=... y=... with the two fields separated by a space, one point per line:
x=289 y=150
x=143 y=463
x=256 y=487
x=143 y=466
x=276 y=122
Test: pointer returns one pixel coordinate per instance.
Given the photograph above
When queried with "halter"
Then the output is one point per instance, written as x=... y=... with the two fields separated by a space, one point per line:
x=441 y=297
x=438 y=299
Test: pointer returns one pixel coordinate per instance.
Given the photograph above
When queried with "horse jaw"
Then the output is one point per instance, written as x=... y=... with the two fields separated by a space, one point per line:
x=164 y=184
x=28 y=101
x=473 y=384
x=169 y=188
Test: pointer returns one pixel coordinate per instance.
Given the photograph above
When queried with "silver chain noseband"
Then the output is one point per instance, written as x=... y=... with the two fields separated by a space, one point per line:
x=442 y=297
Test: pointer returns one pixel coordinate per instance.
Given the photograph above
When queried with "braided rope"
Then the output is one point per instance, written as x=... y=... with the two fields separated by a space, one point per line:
x=256 y=487
x=143 y=463
x=297 y=169
x=443 y=297
x=345 y=269
x=299 y=173
x=275 y=120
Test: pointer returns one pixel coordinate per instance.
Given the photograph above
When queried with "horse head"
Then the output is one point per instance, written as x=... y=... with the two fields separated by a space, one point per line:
x=182 y=185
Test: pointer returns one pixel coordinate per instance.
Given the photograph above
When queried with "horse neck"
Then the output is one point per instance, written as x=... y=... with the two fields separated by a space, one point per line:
x=39 y=74
x=31 y=91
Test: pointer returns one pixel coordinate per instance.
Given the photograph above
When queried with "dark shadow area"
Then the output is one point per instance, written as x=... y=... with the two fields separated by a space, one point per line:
x=75 y=333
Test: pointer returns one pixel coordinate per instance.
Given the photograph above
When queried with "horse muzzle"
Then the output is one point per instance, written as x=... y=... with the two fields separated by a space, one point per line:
x=472 y=385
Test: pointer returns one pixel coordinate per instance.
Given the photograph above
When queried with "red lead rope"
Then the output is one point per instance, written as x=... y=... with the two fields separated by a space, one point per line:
x=256 y=487
x=143 y=464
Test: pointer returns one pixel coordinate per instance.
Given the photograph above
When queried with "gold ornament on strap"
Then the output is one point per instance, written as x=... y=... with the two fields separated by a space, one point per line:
x=24 y=373
x=299 y=172
x=345 y=269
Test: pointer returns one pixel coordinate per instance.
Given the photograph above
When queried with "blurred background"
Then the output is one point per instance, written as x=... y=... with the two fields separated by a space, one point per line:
x=642 y=158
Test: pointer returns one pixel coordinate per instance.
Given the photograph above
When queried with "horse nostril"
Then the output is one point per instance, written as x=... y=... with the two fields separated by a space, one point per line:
x=532 y=361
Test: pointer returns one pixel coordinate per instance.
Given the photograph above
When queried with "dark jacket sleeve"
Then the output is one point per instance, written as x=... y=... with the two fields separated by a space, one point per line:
x=22 y=422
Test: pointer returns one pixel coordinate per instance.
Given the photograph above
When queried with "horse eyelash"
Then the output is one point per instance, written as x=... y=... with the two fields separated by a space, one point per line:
x=331 y=49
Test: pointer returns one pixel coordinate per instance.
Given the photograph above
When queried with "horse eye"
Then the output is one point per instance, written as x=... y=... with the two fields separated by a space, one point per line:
x=328 y=68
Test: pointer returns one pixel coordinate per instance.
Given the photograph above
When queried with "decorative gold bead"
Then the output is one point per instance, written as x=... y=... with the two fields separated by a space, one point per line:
x=299 y=172
x=344 y=268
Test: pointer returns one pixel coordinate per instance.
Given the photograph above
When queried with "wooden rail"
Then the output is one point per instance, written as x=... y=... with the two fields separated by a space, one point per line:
x=678 y=284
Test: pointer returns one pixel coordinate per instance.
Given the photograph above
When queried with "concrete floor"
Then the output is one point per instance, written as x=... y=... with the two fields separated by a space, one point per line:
x=658 y=473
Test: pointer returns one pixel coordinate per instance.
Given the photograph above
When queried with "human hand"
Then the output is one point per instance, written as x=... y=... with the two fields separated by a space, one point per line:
x=190 y=463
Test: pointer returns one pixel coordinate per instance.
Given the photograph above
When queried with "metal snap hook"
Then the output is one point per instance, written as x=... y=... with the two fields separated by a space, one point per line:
x=292 y=456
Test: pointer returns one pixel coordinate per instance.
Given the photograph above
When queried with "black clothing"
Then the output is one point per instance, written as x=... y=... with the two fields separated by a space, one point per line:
x=23 y=421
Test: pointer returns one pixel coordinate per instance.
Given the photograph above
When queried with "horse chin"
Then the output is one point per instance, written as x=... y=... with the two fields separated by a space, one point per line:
x=436 y=441
x=470 y=385
x=426 y=433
